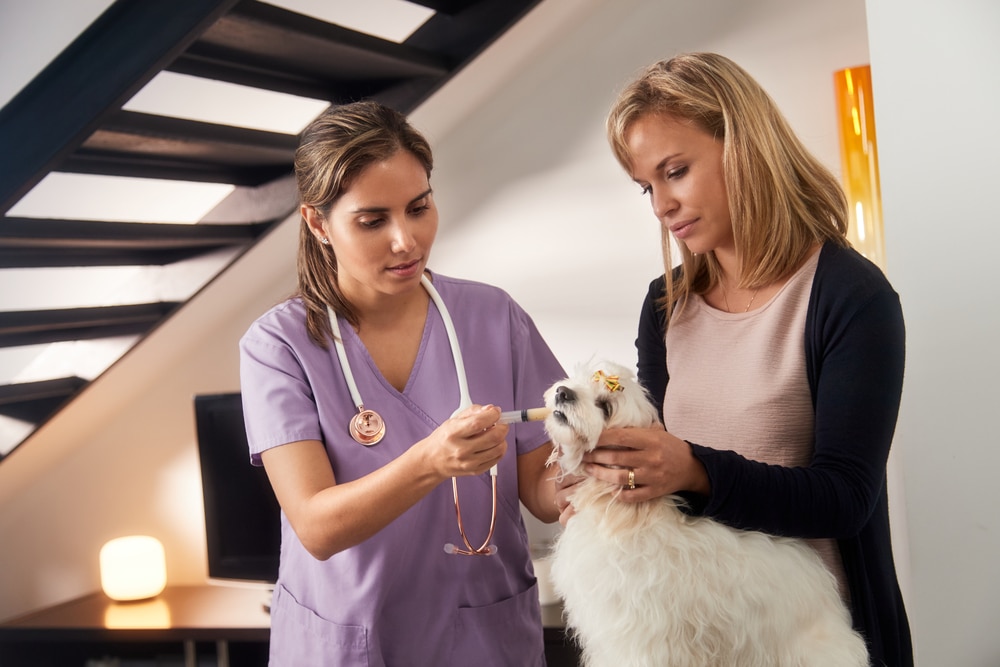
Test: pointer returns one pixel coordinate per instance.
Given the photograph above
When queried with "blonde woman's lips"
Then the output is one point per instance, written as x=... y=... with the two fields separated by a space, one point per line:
x=682 y=229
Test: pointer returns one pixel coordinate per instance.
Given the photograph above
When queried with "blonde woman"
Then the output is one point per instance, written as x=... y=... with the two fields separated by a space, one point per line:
x=774 y=351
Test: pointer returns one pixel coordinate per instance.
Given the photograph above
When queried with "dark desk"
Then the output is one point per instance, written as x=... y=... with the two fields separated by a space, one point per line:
x=227 y=625
x=560 y=651
x=182 y=621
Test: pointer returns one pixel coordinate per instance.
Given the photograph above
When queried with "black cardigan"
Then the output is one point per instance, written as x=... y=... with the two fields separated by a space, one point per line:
x=854 y=343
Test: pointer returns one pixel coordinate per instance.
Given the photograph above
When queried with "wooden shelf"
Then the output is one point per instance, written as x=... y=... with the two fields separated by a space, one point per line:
x=180 y=612
x=181 y=623
x=193 y=621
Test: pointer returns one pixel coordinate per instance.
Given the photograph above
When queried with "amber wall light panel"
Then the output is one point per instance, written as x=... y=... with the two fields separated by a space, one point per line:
x=859 y=161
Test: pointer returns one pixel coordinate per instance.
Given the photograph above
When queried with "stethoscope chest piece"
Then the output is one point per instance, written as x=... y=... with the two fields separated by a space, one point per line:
x=367 y=427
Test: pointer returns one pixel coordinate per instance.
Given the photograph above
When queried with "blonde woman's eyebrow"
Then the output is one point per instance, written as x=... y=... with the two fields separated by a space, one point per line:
x=661 y=165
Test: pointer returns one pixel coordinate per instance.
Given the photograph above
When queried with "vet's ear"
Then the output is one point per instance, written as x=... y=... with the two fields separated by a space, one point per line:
x=314 y=219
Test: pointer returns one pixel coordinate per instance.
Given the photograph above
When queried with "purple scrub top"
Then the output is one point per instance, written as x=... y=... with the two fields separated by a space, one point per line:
x=398 y=598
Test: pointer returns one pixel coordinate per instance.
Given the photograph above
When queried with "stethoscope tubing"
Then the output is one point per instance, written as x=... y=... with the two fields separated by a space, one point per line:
x=464 y=401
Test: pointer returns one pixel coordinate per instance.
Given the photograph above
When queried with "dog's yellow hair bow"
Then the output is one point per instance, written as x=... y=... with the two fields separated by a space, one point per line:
x=611 y=382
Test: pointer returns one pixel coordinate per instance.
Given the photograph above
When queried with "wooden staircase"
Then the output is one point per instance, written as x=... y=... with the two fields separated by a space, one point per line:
x=70 y=118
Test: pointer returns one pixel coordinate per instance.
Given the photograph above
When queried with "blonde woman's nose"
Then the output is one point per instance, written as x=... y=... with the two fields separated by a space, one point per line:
x=663 y=202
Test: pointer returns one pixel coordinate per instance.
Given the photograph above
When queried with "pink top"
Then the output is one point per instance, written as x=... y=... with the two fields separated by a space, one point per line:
x=761 y=352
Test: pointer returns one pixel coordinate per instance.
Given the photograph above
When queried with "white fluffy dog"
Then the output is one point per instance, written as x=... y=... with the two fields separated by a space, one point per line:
x=647 y=584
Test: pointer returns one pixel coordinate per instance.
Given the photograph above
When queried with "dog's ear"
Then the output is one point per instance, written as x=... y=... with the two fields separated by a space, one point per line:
x=633 y=406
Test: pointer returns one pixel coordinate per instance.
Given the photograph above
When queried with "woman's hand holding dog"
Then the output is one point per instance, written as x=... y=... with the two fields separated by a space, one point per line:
x=661 y=463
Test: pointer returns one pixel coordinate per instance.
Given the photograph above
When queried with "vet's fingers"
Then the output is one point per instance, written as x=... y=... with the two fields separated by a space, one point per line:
x=476 y=430
x=477 y=418
x=478 y=464
x=482 y=454
x=469 y=443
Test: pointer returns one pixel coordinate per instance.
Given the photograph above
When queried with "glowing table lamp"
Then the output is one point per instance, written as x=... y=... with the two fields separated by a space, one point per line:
x=133 y=568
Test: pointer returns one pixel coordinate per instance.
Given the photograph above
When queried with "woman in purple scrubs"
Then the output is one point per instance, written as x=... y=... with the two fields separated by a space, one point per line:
x=372 y=564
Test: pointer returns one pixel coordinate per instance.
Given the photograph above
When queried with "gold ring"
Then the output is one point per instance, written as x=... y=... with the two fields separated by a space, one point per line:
x=631 y=479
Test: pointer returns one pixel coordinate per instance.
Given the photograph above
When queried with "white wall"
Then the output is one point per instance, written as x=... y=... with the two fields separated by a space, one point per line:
x=936 y=68
x=34 y=33
x=532 y=200
x=530 y=195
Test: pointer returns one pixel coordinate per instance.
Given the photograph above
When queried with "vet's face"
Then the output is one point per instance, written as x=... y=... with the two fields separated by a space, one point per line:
x=680 y=167
x=381 y=228
x=590 y=401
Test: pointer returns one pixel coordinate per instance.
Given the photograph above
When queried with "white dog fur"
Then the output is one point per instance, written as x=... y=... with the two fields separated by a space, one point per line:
x=648 y=585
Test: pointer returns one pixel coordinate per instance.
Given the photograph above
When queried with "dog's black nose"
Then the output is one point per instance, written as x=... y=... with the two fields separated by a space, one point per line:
x=565 y=395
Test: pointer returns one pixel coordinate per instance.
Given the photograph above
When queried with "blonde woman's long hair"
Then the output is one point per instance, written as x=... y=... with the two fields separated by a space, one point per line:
x=333 y=151
x=782 y=200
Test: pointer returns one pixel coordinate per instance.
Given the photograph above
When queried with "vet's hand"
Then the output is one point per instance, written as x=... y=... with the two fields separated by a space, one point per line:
x=660 y=463
x=469 y=443
x=564 y=489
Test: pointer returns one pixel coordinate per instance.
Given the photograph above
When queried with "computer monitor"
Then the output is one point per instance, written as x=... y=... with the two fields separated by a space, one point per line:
x=242 y=517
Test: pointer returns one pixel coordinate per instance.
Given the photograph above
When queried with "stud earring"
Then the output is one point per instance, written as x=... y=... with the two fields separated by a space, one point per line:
x=325 y=241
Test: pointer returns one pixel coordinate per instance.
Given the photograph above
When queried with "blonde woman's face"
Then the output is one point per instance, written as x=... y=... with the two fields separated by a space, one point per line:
x=679 y=166
x=382 y=229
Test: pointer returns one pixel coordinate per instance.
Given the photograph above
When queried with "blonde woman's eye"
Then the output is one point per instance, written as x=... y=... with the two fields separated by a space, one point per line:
x=677 y=173
x=645 y=190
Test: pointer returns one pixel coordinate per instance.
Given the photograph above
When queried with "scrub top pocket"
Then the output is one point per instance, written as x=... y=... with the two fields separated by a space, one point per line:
x=300 y=637
x=495 y=635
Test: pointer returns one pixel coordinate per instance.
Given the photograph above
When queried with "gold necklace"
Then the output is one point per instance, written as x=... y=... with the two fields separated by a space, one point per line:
x=725 y=298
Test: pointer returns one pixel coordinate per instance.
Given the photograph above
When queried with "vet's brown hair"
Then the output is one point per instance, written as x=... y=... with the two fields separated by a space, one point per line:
x=333 y=151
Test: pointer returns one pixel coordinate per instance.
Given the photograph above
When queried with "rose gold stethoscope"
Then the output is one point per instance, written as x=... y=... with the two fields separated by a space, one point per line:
x=367 y=427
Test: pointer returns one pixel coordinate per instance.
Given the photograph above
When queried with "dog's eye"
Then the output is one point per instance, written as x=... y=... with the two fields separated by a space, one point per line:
x=606 y=407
